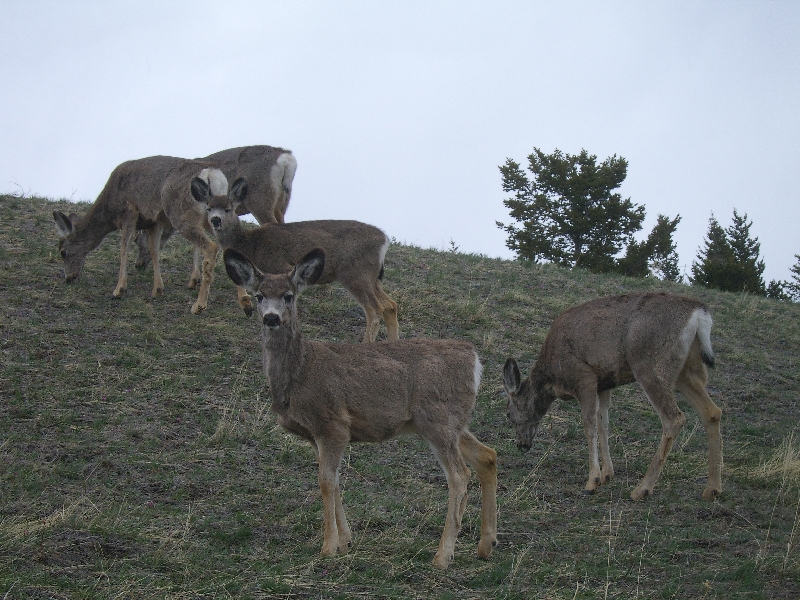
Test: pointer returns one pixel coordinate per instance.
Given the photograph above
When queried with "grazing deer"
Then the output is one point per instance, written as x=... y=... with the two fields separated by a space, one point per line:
x=130 y=200
x=354 y=250
x=269 y=171
x=660 y=340
x=334 y=394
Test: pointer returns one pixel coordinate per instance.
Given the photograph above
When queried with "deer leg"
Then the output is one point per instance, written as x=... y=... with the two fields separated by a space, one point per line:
x=127 y=230
x=154 y=239
x=244 y=301
x=197 y=276
x=329 y=456
x=672 y=421
x=209 y=250
x=607 y=470
x=692 y=385
x=589 y=409
x=484 y=461
x=449 y=457
x=389 y=311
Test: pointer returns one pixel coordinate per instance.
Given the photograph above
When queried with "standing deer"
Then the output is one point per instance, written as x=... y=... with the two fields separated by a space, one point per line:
x=334 y=394
x=355 y=251
x=660 y=340
x=270 y=172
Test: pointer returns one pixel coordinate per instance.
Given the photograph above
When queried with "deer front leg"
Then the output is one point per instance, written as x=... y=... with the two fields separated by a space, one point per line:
x=589 y=409
x=209 y=261
x=197 y=276
x=328 y=459
x=244 y=301
x=607 y=467
x=126 y=233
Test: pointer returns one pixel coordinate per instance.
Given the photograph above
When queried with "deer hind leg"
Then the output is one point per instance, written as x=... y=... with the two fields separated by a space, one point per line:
x=389 y=312
x=336 y=532
x=692 y=384
x=589 y=408
x=672 y=421
x=607 y=467
x=484 y=461
x=127 y=230
x=154 y=243
x=457 y=472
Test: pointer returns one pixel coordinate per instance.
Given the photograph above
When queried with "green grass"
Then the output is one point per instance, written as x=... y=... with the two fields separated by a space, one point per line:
x=139 y=459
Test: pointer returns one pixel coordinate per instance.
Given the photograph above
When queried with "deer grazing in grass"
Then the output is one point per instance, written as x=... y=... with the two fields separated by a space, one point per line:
x=354 y=251
x=334 y=394
x=660 y=340
x=153 y=194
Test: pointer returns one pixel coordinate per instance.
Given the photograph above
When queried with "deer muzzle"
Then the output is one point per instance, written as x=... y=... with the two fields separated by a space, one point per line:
x=272 y=320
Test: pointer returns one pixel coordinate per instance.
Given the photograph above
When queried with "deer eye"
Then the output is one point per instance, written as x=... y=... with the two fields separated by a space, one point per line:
x=227 y=210
x=288 y=297
x=259 y=297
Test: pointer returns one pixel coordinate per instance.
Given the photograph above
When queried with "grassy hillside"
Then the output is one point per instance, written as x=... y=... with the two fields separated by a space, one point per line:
x=138 y=457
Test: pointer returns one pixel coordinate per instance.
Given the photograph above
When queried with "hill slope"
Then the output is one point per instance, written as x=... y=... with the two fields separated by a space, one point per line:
x=138 y=457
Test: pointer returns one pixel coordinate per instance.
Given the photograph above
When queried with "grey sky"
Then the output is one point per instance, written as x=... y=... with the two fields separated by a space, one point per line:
x=399 y=113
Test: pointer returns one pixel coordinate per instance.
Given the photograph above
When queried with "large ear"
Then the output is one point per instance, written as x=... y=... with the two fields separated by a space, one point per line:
x=238 y=191
x=308 y=270
x=241 y=271
x=63 y=224
x=511 y=376
x=200 y=190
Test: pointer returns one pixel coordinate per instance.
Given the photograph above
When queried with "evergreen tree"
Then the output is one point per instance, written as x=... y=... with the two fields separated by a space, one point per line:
x=793 y=286
x=730 y=259
x=656 y=255
x=568 y=210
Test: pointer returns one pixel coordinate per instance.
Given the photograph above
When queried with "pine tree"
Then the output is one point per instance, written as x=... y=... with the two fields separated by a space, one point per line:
x=656 y=255
x=568 y=211
x=730 y=261
x=793 y=287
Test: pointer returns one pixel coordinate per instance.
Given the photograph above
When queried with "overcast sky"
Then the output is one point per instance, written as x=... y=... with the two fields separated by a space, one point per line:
x=399 y=113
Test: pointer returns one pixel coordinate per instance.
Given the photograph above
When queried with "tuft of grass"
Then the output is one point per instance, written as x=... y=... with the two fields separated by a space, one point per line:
x=139 y=457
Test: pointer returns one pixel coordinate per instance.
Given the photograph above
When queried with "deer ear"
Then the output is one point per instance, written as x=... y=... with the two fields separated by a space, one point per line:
x=64 y=226
x=309 y=270
x=238 y=191
x=511 y=376
x=200 y=190
x=240 y=270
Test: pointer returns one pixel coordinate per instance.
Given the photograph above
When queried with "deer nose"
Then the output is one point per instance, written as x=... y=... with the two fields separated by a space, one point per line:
x=216 y=222
x=272 y=320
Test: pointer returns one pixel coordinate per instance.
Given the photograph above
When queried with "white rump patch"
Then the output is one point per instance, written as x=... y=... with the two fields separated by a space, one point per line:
x=698 y=325
x=288 y=165
x=384 y=249
x=477 y=373
x=216 y=181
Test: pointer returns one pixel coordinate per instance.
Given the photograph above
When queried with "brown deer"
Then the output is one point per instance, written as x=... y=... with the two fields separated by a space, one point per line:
x=334 y=394
x=151 y=194
x=660 y=340
x=270 y=172
x=130 y=200
x=355 y=251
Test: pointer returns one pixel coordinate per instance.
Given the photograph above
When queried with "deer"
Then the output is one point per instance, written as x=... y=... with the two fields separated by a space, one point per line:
x=130 y=200
x=270 y=171
x=355 y=251
x=334 y=394
x=660 y=340
x=153 y=195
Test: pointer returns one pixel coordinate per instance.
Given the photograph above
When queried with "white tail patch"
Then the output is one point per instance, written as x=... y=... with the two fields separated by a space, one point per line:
x=698 y=325
x=477 y=373
x=216 y=181
x=288 y=164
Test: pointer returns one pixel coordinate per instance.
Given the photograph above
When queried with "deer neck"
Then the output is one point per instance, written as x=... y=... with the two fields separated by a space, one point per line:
x=93 y=228
x=285 y=354
x=232 y=236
